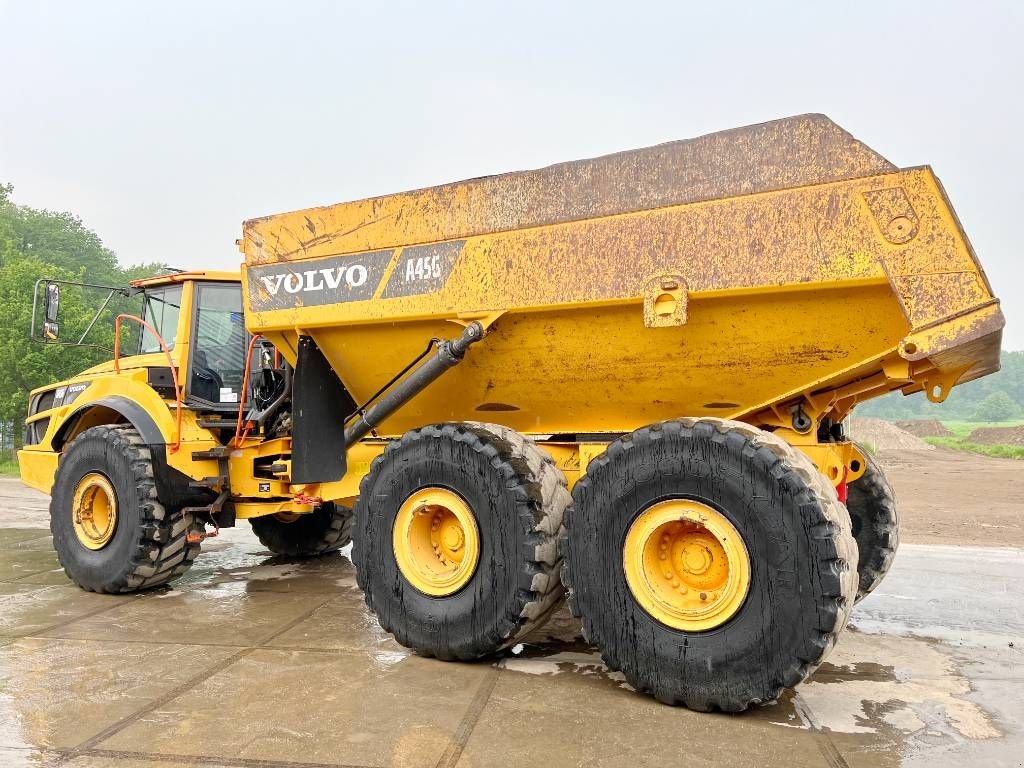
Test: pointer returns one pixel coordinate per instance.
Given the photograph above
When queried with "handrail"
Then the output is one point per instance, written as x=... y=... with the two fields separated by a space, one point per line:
x=239 y=438
x=170 y=363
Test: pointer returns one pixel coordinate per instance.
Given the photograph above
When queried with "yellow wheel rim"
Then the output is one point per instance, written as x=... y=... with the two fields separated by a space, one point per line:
x=94 y=511
x=686 y=565
x=436 y=541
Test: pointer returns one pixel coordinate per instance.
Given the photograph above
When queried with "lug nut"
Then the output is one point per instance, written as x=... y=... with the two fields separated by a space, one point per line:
x=703 y=595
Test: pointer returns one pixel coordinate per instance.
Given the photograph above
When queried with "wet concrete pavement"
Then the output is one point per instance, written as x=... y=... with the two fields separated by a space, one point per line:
x=256 y=661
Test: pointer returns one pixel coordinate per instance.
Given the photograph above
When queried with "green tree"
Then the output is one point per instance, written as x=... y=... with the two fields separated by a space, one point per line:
x=998 y=406
x=38 y=244
x=963 y=402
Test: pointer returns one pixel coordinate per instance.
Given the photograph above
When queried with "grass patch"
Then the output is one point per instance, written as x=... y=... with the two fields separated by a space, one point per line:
x=996 y=451
x=8 y=464
x=962 y=429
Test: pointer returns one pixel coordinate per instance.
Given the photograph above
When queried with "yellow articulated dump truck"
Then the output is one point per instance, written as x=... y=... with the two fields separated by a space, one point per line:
x=623 y=381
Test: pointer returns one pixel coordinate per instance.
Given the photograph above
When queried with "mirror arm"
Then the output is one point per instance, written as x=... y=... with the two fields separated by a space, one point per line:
x=113 y=289
x=81 y=339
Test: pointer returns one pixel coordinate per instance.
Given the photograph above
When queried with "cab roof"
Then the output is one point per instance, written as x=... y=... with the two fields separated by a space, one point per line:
x=181 y=277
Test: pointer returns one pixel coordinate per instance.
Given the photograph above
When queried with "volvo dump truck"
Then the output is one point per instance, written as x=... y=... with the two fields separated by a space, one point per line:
x=622 y=380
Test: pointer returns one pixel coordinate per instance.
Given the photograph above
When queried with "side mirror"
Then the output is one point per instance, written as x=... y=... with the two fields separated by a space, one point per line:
x=52 y=302
x=51 y=308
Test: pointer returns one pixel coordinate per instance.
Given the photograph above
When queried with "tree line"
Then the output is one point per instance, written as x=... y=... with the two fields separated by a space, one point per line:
x=998 y=397
x=38 y=243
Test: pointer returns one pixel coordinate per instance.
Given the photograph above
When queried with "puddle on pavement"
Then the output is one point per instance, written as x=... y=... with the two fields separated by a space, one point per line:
x=928 y=631
x=861 y=670
x=233 y=559
x=558 y=647
x=918 y=703
x=885 y=697
x=24 y=538
x=557 y=663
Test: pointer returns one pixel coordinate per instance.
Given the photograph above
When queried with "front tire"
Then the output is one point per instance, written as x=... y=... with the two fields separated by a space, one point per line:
x=759 y=624
x=456 y=543
x=110 y=531
x=326 y=529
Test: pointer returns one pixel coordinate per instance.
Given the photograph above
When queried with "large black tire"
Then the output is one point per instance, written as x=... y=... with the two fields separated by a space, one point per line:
x=876 y=526
x=149 y=546
x=801 y=550
x=326 y=529
x=518 y=498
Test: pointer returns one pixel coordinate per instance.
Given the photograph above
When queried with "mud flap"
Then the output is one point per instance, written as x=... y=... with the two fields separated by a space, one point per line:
x=320 y=405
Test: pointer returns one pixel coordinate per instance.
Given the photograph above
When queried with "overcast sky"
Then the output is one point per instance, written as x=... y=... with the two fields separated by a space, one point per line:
x=165 y=125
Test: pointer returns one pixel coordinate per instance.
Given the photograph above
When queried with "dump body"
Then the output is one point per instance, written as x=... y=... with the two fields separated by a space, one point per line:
x=738 y=275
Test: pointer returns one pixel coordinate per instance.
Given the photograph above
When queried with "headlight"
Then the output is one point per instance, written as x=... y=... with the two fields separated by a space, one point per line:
x=44 y=401
x=72 y=392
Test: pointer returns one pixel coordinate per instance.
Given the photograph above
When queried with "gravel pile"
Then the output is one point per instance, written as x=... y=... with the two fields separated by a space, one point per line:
x=884 y=435
x=925 y=428
x=997 y=436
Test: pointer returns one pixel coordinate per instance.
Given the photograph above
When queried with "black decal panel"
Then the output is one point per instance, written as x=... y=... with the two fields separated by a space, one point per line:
x=332 y=280
x=423 y=268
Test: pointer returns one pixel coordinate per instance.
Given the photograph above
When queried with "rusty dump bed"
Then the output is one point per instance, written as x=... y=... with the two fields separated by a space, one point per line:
x=736 y=274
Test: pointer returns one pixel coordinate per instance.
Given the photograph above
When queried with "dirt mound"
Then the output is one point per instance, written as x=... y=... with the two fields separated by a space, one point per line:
x=997 y=436
x=885 y=436
x=925 y=428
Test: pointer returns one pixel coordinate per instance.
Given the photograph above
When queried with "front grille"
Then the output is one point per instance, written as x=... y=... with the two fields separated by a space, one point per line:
x=45 y=401
x=35 y=431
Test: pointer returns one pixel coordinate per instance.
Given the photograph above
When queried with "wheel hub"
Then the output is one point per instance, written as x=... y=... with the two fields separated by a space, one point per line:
x=436 y=541
x=686 y=565
x=94 y=511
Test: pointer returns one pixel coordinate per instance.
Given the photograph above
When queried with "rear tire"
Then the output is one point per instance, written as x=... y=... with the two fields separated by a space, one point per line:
x=326 y=529
x=802 y=580
x=516 y=497
x=876 y=526
x=147 y=546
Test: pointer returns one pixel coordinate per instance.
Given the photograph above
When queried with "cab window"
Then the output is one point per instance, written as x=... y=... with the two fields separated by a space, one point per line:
x=160 y=308
x=218 y=352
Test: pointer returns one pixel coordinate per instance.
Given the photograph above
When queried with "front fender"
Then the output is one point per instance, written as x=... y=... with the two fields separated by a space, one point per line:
x=132 y=412
x=126 y=396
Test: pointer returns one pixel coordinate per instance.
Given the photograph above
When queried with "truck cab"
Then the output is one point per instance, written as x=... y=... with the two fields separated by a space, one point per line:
x=191 y=347
x=187 y=430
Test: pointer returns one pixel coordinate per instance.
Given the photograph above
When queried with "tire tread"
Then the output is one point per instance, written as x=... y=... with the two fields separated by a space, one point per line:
x=164 y=553
x=835 y=550
x=542 y=497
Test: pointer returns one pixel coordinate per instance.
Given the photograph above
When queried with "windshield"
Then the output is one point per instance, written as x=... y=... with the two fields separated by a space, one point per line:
x=218 y=354
x=160 y=308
